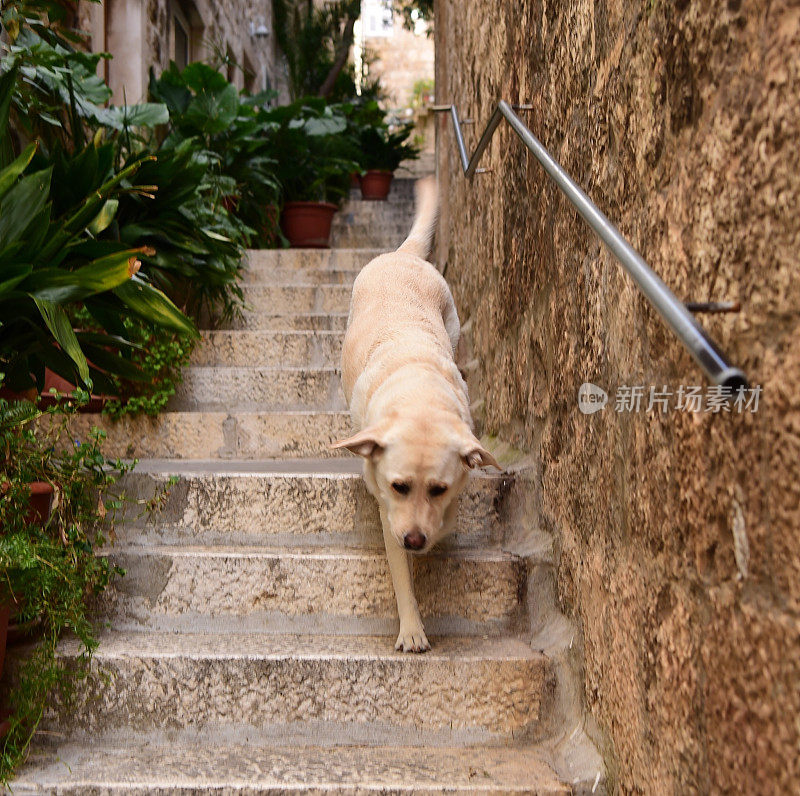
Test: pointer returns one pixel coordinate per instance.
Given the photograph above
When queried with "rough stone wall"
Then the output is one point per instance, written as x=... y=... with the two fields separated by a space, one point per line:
x=400 y=61
x=226 y=28
x=219 y=27
x=681 y=120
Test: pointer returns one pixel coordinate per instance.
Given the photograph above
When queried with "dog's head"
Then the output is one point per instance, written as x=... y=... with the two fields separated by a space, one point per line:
x=417 y=467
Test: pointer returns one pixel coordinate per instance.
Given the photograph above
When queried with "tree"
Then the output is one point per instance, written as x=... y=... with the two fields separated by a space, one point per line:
x=316 y=43
x=412 y=10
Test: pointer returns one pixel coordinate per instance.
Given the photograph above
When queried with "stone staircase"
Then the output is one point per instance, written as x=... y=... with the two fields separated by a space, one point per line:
x=250 y=646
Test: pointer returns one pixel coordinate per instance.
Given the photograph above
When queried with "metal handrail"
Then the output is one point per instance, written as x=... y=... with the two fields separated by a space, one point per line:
x=674 y=313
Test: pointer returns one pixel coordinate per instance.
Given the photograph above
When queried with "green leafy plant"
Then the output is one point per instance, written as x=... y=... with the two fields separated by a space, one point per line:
x=422 y=93
x=193 y=250
x=60 y=98
x=206 y=108
x=314 y=159
x=52 y=572
x=48 y=263
x=161 y=359
x=384 y=149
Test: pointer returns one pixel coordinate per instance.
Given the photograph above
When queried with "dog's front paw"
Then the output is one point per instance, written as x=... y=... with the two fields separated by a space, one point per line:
x=412 y=639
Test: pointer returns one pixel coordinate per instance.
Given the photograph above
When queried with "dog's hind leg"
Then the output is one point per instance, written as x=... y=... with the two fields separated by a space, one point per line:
x=412 y=633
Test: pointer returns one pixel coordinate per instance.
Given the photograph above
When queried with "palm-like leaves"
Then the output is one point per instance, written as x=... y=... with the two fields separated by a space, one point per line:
x=48 y=261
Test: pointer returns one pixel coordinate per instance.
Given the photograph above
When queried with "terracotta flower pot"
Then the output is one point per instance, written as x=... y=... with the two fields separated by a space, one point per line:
x=53 y=381
x=355 y=180
x=39 y=507
x=12 y=395
x=19 y=631
x=307 y=225
x=375 y=185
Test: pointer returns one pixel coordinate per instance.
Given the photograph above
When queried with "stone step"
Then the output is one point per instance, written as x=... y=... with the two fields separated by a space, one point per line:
x=300 y=502
x=218 y=435
x=302 y=321
x=299 y=260
x=401 y=197
x=290 y=590
x=391 y=213
x=258 y=389
x=185 y=768
x=293 y=299
x=298 y=276
x=368 y=235
x=269 y=349
x=269 y=687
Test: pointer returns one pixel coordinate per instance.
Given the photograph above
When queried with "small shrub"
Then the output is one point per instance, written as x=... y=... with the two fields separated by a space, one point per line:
x=53 y=570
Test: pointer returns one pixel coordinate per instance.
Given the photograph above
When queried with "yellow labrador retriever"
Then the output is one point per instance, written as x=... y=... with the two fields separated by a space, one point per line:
x=410 y=403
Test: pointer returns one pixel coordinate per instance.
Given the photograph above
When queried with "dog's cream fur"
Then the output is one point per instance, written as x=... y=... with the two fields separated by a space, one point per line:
x=410 y=403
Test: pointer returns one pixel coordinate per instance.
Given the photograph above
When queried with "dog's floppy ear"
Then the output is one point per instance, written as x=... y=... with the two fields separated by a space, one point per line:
x=475 y=455
x=366 y=443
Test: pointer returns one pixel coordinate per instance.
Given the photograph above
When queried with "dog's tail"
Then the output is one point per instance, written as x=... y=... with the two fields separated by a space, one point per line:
x=419 y=239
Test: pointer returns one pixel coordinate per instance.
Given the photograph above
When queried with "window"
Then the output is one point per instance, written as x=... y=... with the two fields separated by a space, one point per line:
x=186 y=33
x=377 y=17
x=249 y=74
x=181 y=43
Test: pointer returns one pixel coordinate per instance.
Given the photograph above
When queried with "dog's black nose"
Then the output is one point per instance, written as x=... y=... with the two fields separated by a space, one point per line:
x=414 y=540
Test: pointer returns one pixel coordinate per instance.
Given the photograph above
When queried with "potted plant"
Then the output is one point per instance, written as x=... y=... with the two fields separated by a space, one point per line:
x=51 y=567
x=382 y=151
x=314 y=162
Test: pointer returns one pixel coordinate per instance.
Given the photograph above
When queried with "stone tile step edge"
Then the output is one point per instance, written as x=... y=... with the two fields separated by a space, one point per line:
x=240 y=389
x=221 y=436
x=194 y=588
x=268 y=349
x=287 y=277
x=310 y=321
x=333 y=259
x=301 y=498
x=466 y=687
x=188 y=768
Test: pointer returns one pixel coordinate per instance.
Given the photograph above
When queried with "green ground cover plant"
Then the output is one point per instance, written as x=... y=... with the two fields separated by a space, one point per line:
x=51 y=570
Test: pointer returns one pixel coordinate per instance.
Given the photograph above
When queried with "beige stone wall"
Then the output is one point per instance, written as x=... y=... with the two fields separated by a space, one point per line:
x=139 y=34
x=400 y=60
x=681 y=120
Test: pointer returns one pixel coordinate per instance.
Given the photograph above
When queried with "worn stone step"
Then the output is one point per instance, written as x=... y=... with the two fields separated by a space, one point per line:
x=269 y=686
x=369 y=235
x=396 y=207
x=292 y=299
x=380 y=218
x=218 y=435
x=309 y=259
x=301 y=502
x=292 y=321
x=298 y=276
x=183 y=767
x=258 y=389
x=291 y=590
x=269 y=349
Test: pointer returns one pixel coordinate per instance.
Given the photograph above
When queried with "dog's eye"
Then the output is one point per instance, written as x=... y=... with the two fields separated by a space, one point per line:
x=401 y=487
x=437 y=489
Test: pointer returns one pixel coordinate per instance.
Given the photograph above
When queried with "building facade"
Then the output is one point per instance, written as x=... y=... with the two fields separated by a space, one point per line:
x=237 y=34
x=399 y=57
